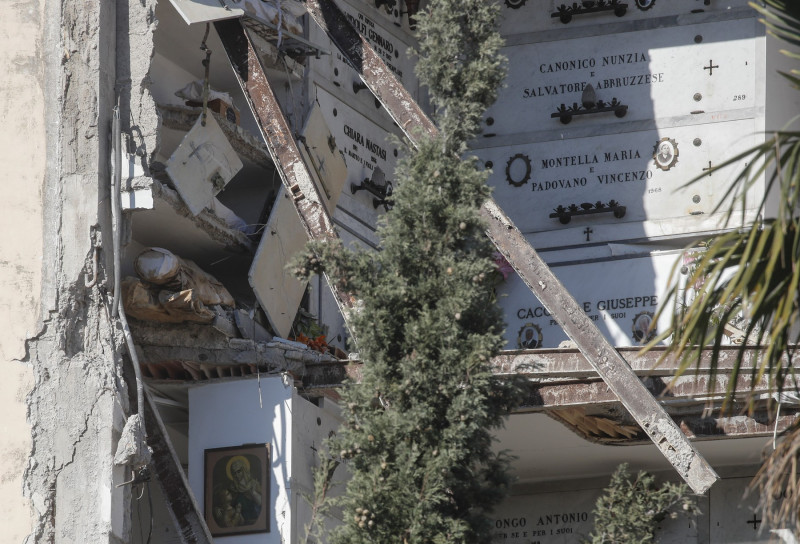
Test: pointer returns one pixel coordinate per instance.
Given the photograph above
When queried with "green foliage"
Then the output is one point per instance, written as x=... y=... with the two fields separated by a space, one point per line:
x=754 y=273
x=631 y=508
x=416 y=433
x=461 y=65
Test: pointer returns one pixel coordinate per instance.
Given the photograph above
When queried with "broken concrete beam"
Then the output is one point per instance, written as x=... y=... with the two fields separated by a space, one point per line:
x=277 y=134
x=188 y=335
x=214 y=227
x=165 y=465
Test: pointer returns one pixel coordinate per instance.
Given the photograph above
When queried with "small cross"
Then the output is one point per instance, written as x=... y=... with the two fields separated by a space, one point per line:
x=710 y=67
x=587 y=232
x=313 y=447
x=755 y=521
x=708 y=169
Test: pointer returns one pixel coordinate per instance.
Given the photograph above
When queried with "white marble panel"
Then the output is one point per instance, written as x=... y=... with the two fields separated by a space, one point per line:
x=276 y=288
x=325 y=161
x=364 y=144
x=733 y=516
x=645 y=171
x=204 y=11
x=518 y=16
x=546 y=518
x=620 y=296
x=661 y=74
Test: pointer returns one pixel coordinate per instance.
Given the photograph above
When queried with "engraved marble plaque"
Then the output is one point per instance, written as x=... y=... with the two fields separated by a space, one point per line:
x=546 y=518
x=571 y=184
x=518 y=16
x=675 y=75
x=364 y=145
x=567 y=518
x=620 y=296
x=389 y=42
x=389 y=12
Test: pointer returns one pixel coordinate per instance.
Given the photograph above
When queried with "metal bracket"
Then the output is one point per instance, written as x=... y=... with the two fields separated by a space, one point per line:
x=565 y=214
x=378 y=186
x=565 y=113
x=565 y=13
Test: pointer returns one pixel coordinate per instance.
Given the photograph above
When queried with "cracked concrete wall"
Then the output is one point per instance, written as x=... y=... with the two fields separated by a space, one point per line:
x=64 y=398
x=22 y=141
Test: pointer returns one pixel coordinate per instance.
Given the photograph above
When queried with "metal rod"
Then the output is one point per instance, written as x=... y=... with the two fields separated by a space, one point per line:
x=116 y=181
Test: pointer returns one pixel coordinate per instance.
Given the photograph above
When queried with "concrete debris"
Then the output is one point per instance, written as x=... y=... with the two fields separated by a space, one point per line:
x=132 y=448
x=215 y=227
x=249 y=328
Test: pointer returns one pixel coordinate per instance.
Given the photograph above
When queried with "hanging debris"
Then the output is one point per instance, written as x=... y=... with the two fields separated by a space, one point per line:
x=172 y=290
x=132 y=448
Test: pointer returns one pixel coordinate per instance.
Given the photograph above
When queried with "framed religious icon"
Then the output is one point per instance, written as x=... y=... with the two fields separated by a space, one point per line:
x=236 y=490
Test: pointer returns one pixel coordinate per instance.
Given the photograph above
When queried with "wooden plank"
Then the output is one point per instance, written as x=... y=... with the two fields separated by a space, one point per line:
x=527 y=263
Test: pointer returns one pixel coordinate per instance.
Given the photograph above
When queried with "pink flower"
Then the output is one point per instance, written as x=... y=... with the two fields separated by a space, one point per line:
x=503 y=266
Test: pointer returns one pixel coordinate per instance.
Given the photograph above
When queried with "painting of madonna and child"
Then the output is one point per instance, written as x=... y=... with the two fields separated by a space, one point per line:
x=237 y=490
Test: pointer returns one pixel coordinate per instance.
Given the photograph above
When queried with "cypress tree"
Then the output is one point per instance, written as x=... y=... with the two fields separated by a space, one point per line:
x=416 y=435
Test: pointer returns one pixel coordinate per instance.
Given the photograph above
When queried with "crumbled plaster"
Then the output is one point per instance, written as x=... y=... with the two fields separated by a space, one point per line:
x=138 y=113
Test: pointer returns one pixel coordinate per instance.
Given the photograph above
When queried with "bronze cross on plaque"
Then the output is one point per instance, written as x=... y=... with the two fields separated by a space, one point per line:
x=587 y=232
x=755 y=521
x=708 y=169
x=710 y=67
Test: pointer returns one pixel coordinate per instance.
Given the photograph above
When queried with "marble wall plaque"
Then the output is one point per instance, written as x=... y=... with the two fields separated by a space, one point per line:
x=323 y=158
x=364 y=145
x=389 y=42
x=734 y=517
x=619 y=296
x=646 y=172
x=518 y=16
x=546 y=518
x=278 y=291
x=390 y=12
x=672 y=74
x=567 y=518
